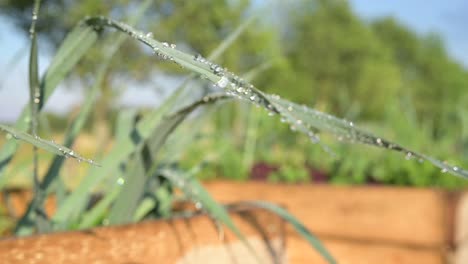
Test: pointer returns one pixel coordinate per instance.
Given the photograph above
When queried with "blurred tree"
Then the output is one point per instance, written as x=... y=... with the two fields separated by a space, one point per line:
x=335 y=61
x=433 y=81
x=198 y=26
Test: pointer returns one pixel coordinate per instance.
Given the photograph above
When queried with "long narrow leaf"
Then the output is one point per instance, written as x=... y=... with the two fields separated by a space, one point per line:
x=69 y=53
x=145 y=128
x=133 y=187
x=191 y=187
x=78 y=123
x=119 y=154
x=298 y=226
x=237 y=86
x=50 y=146
x=92 y=217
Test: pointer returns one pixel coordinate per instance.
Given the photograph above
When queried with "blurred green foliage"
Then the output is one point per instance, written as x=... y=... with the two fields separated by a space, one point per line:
x=380 y=74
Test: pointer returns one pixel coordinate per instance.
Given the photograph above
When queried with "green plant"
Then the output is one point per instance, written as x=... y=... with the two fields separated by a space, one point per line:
x=139 y=178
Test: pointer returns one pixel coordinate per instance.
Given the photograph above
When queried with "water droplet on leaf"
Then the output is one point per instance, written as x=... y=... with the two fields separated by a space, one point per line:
x=120 y=181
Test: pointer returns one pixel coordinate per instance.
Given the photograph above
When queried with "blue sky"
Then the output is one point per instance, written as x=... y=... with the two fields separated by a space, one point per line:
x=447 y=18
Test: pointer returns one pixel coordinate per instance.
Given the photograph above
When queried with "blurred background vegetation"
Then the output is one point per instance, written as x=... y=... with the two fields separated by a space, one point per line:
x=379 y=74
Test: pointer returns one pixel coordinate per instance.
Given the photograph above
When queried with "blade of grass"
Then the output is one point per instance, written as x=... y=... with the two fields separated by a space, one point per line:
x=50 y=146
x=69 y=53
x=125 y=124
x=298 y=226
x=190 y=186
x=162 y=198
x=165 y=128
x=195 y=191
x=35 y=94
x=92 y=217
x=226 y=43
x=127 y=201
x=118 y=155
x=78 y=123
x=287 y=110
x=113 y=46
x=303 y=119
x=144 y=128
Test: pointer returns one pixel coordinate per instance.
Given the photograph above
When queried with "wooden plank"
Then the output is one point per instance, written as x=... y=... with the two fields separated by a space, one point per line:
x=194 y=240
x=407 y=216
x=352 y=252
x=17 y=201
x=461 y=231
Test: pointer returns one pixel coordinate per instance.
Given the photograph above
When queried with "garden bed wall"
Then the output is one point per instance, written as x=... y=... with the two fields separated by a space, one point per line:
x=369 y=224
x=184 y=240
x=366 y=224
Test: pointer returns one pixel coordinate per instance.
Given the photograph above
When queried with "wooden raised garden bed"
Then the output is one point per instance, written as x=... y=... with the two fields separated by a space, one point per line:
x=195 y=239
x=369 y=224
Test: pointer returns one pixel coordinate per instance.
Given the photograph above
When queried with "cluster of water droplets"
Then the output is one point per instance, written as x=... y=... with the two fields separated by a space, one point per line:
x=32 y=29
x=98 y=22
x=37 y=96
x=34 y=139
x=299 y=117
x=66 y=152
x=234 y=85
x=306 y=120
x=162 y=55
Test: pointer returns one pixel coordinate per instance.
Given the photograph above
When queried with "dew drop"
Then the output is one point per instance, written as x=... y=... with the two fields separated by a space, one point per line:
x=455 y=168
x=218 y=70
x=199 y=58
x=378 y=141
x=443 y=170
x=275 y=96
x=120 y=181
x=149 y=35
x=223 y=82
x=198 y=205
x=408 y=156
x=290 y=108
